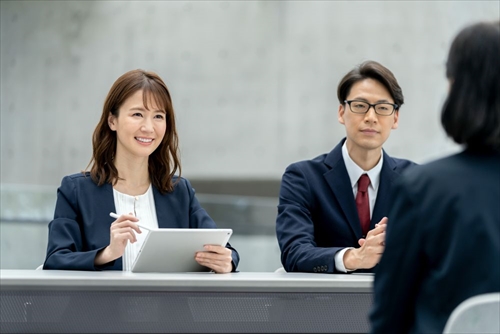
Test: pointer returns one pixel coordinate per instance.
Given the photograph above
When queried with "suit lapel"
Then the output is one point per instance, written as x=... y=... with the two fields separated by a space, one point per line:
x=105 y=198
x=103 y=202
x=106 y=201
x=338 y=180
x=167 y=206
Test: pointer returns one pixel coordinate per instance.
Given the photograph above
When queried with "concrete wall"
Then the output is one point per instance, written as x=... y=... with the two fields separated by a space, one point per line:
x=253 y=82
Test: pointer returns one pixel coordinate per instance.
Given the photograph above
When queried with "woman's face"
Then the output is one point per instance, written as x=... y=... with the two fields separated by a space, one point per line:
x=139 y=131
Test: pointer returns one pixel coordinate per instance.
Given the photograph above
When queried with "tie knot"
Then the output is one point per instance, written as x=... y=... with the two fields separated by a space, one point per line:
x=363 y=183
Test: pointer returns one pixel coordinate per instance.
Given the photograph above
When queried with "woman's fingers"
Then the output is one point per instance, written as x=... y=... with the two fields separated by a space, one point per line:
x=215 y=257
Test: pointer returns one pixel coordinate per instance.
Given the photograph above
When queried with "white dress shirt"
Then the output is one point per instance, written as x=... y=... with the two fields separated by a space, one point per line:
x=143 y=207
x=355 y=172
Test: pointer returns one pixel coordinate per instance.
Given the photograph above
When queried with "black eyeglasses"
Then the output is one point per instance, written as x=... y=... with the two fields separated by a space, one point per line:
x=362 y=107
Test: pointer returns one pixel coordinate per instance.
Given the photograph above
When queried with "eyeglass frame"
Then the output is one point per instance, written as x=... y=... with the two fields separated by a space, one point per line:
x=395 y=106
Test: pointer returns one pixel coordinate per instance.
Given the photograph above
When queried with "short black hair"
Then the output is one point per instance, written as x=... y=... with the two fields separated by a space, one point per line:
x=471 y=112
x=370 y=70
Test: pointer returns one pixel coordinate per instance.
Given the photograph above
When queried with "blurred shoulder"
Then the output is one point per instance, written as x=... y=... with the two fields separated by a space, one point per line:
x=426 y=173
x=78 y=177
x=398 y=163
x=453 y=171
x=315 y=163
x=79 y=185
x=403 y=163
x=181 y=185
x=81 y=179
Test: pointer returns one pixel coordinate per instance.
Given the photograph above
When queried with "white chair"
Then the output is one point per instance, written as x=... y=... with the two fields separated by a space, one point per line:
x=40 y=267
x=280 y=270
x=478 y=314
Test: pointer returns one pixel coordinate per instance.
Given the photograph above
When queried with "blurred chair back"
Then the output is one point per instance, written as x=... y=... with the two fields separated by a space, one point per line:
x=478 y=314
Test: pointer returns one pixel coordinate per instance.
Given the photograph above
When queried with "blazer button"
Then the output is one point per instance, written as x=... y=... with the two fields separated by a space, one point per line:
x=315 y=269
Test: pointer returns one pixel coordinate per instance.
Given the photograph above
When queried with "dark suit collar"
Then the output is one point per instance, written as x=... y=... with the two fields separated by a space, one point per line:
x=335 y=155
x=162 y=206
x=340 y=184
x=104 y=196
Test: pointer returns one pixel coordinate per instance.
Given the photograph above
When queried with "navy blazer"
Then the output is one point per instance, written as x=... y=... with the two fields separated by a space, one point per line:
x=317 y=213
x=442 y=246
x=81 y=224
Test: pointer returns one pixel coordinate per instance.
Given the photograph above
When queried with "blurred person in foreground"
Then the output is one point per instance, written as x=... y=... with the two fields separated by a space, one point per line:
x=135 y=158
x=443 y=243
x=332 y=209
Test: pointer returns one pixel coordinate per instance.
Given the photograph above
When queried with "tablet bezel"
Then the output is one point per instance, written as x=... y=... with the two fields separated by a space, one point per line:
x=170 y=250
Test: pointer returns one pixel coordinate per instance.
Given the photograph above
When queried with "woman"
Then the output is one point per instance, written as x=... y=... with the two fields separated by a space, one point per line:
x=443 y=238
x=135 y=157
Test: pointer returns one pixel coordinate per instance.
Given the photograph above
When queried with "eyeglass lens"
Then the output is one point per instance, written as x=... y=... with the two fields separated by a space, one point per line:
x=380 y=108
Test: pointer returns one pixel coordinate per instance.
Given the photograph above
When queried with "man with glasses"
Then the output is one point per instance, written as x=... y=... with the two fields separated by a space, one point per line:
x=332 y=209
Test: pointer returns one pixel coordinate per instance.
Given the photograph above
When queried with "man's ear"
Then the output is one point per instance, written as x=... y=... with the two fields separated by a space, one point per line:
x=396 y=119
x=112 y=122
x=341 y=114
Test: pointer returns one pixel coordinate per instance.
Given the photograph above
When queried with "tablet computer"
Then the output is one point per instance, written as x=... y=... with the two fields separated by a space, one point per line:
x=168 y=250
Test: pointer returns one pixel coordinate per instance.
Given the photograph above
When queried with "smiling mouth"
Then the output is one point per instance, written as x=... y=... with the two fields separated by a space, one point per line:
x=144 y=140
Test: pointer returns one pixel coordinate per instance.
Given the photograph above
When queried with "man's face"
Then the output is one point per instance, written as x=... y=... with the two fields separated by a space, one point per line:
x=369 y=131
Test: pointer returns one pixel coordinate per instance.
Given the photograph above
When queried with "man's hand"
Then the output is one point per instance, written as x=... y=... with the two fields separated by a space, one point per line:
x=372 y=247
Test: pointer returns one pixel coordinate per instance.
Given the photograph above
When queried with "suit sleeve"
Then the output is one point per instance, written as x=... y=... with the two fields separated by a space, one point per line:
x=295 y=227
x=199 y=218
x=65 y=249
x=399 y=272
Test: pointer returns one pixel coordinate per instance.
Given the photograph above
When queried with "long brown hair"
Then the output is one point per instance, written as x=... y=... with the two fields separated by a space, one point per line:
x=164 y=161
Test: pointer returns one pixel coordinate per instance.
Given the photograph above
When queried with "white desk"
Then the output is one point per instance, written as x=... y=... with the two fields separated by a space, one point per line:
x=74 y=301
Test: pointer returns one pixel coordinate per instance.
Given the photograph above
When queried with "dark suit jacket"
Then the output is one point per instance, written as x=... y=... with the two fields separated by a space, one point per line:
x=81 y=225
x=317 y=213
x=442 y=246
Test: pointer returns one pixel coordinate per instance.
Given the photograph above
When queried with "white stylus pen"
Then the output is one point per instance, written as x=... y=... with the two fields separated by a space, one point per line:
x=114 y=215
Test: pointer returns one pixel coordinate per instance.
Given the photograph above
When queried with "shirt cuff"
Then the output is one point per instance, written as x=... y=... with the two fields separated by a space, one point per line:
x=339 y=260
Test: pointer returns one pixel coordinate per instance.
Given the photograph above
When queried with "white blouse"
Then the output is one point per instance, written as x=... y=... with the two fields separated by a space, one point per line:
x=143 y=207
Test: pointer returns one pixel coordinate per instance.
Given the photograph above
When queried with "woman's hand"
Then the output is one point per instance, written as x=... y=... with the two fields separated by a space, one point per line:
x=217 y=258
x=122 y=230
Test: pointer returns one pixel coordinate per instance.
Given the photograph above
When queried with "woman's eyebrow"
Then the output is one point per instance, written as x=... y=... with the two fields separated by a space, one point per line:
x=144 y=109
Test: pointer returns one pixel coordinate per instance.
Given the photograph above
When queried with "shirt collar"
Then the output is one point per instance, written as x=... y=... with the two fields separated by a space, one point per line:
x=354 y=171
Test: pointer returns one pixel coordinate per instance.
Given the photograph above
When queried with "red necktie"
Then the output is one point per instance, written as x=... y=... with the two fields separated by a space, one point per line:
x=363 y=204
